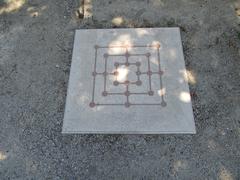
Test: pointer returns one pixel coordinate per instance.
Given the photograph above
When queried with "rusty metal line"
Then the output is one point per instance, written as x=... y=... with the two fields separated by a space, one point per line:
x=130 y=93
x=128 y=63
x=105 y=74
x=130 y=54
x=130 y=46
x=155 y=72
x=149 y=75
x=115 y=93
x=160 y=76
x=108 y=104
x=138 y=75
x=126 y=55
x=94 y=77
x=147 y=104
x=138 y=93
x=116 y=55
x=127 y=96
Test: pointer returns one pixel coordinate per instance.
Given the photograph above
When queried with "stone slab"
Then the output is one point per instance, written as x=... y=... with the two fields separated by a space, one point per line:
x=128 y=81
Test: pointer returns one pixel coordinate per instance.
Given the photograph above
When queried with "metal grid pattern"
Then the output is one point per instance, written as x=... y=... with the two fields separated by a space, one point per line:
x=127 y=83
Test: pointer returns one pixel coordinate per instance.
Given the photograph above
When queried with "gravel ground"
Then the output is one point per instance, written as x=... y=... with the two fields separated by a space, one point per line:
x=36 y=40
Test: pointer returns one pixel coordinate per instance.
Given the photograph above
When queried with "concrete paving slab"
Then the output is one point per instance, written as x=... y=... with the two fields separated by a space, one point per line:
x=129 y=81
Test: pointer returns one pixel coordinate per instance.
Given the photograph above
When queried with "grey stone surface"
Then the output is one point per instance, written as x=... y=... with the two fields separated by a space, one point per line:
x=154 y=101
x=35 y=58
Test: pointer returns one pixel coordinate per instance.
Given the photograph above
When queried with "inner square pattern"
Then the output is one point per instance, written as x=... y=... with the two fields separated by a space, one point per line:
x=127 y=83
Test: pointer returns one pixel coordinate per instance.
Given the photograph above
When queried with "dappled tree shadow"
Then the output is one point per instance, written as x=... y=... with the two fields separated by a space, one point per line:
x=9 y=6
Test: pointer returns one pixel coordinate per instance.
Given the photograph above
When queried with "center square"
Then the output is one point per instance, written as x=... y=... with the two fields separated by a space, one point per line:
x=126 y=72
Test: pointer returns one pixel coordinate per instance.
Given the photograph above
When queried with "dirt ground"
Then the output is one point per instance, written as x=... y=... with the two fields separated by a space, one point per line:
x=36 y=41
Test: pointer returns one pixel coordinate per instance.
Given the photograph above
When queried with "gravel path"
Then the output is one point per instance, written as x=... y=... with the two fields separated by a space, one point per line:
x=36 y=40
